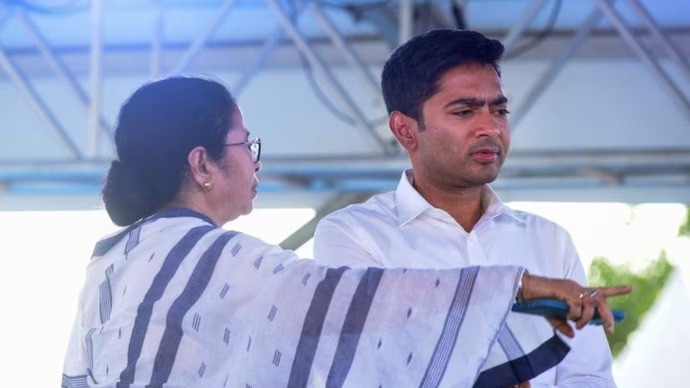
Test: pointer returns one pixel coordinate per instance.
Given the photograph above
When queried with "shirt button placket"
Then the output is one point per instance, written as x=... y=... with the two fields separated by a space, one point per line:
x=475 y=251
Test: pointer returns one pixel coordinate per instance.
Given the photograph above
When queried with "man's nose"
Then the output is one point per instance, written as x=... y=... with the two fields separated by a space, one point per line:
x=487 y=125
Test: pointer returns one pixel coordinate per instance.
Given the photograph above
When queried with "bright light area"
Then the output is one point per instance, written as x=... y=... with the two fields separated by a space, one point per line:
x=45 y=255
x=622 y=233
x=272 y=225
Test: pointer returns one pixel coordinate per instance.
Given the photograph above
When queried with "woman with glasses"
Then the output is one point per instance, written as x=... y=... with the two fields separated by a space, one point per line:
x=174 y=300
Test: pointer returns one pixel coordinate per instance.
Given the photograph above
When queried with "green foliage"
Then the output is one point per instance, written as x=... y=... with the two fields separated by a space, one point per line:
x=684 y=229
x=647 y=285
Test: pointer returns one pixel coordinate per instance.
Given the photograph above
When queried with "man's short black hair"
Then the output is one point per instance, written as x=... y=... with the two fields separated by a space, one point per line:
x=411 y=74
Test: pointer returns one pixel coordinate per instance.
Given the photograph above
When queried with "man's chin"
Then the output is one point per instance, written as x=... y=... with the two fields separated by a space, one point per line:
x=488 y=175
x=485 y=178
x=490 y=179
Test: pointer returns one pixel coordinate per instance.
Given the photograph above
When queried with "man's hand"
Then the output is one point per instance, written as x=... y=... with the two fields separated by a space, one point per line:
x=582 y=301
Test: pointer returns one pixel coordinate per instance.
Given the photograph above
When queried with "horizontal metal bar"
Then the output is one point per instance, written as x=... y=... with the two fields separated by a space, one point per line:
x=633 y=156
x=573 y=183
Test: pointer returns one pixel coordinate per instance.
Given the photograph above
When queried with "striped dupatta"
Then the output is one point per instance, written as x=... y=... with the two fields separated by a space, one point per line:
x=175 y=301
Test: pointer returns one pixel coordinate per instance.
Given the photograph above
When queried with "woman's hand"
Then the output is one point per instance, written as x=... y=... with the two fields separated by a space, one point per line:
x=582 y=301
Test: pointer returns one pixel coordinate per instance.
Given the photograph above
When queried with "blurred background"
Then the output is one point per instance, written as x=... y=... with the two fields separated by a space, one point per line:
x=599 y=92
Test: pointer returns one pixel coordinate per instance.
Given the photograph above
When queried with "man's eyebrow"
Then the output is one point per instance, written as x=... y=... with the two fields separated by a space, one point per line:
x=499 y=100
x=471 y=101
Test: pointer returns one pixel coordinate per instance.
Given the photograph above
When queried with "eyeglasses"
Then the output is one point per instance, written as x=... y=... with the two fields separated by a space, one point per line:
x=254 y=148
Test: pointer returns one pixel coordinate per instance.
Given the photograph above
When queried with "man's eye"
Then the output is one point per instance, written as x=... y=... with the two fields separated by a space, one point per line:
x=502 y=112
x=464 y=112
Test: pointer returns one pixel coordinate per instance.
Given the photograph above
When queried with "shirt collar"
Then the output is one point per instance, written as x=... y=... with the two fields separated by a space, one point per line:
x=411 y=204
x=494 y=207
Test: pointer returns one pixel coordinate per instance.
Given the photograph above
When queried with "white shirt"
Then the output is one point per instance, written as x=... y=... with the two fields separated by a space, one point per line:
x=401 y=229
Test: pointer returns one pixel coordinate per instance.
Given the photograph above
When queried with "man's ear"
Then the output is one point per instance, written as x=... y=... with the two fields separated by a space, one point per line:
x=199 y=166
x=405 y=129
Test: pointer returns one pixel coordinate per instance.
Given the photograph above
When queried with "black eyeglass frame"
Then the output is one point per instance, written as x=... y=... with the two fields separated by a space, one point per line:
x=254 y=148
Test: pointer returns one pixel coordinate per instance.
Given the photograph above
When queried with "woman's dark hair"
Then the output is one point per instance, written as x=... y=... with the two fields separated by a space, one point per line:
x=157 y=128
x=410 y=76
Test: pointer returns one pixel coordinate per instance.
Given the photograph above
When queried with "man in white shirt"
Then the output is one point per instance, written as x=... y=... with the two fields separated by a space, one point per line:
x=447 y=109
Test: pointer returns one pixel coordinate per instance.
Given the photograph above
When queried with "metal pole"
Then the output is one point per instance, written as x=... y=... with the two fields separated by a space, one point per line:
x=676 y=56
x=405 y=21
x=647 y=60
x=524 y=22
x=347 y=51
x=323 y=71
x=268 y=47
x=550 y=74
x=157 y=41
x=461 y=5
x=62 y=71
x=200 y=39
x=95 y=76
x=38 y=105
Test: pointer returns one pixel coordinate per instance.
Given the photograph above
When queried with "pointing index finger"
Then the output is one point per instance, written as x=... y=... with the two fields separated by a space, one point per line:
x=614 y=290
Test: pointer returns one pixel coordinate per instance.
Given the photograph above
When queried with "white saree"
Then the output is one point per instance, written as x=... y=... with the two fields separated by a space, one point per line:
x=174 y=301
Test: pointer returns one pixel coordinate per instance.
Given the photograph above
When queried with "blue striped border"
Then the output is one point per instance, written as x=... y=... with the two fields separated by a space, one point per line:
x=160 y=282
x=312 y=326
x=74 y=381
x=89 y=347
x=172 y=336
x=105 y=300
x=449 y=335
x=510 y=345
x=525 y=368
x=353 y=325
x=133 y=239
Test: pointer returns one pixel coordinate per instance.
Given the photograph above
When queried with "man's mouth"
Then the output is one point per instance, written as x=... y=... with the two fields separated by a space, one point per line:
x=485 y=155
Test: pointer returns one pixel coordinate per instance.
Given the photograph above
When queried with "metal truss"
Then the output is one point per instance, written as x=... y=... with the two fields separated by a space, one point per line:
x=82 y=170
